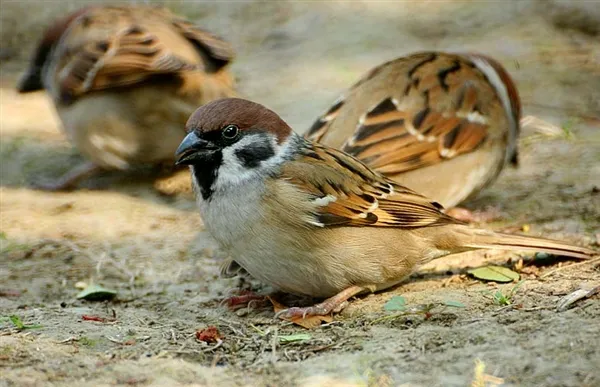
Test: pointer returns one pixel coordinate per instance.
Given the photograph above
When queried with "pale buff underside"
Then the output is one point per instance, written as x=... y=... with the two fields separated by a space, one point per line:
x=319 y=262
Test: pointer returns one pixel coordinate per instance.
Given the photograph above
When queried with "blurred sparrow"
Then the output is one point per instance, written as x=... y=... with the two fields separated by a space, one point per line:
x=124 y=80
x=442 y=124
x=311 y=220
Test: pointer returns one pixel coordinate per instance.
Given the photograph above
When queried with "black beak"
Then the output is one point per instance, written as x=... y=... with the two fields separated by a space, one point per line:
x=193 y=149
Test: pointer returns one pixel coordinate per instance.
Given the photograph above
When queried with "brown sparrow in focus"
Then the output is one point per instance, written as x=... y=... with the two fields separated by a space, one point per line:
x=312 y=220
x=124 y=80
x=441 y=124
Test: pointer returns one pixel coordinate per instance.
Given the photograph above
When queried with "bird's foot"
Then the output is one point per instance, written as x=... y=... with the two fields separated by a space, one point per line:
x=333 y=304
x=245 y=299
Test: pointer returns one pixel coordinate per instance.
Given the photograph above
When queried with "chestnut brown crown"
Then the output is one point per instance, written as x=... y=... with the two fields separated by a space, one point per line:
x=246 y=115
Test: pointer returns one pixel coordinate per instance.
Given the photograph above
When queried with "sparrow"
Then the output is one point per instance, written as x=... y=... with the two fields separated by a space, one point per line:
x=309 y=219
x=124 y=80
x=441 y=124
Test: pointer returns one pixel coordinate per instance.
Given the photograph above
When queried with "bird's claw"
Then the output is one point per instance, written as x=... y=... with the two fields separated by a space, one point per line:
x=245 y=299
x=295 y=312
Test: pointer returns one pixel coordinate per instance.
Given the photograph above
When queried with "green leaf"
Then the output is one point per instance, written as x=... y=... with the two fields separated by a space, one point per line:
x=16 y=320
x=292 y=338
x=455 y=304
x=395 y=303
x=96 y=293
x=494 y=273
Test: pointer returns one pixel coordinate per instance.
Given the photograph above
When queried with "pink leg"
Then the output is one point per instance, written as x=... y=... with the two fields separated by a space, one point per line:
x=246 y=298
x=332 y=304
x=69 y=179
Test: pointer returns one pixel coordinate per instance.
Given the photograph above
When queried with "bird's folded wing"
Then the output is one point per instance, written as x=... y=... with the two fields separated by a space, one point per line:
x=218 y=49
x=112 y=47
x=346 y=193
x=432 y=113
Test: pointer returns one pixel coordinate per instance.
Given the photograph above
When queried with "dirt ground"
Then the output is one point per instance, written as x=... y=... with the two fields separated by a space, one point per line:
x=296 y=58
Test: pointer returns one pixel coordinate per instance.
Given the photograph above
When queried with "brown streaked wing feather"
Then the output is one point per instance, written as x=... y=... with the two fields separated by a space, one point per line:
x=411 y=140
x=362 y=196
x=107 y=48
x=219 y=50
x=320 y=126
x=399 y=135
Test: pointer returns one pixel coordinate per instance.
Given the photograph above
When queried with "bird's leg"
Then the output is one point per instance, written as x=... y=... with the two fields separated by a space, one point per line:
x=69 y=179
x=479 y=216
x=242 y=295
x=332 y=304
x=245 y=298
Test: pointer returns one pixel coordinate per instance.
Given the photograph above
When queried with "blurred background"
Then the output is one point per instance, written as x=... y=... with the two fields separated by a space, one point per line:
x=297 y=56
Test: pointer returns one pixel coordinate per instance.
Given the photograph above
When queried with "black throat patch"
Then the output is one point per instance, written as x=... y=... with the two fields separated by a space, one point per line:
x=205 y=173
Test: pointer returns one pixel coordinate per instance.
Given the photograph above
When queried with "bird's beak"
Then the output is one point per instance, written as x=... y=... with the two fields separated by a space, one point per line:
x=193 y=149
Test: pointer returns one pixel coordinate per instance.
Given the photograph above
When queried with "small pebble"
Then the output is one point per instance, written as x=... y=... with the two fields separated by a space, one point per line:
x=80 y=285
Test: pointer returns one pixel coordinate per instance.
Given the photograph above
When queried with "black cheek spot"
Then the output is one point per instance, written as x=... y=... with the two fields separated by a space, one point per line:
x=252 y=155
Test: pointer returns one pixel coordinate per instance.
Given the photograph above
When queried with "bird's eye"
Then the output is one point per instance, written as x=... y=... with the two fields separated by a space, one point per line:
x=230 y=132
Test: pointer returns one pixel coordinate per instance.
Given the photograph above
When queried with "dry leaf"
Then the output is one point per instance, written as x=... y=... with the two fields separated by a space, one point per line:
x=208 y=335
x=494 y=273
x=309 y=322
x=567 y=301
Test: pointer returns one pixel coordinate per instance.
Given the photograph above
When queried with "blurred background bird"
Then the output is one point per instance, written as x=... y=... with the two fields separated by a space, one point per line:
x=442 y=124
x=124 y=81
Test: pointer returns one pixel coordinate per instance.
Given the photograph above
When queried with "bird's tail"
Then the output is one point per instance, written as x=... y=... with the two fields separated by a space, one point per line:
x=483 y=239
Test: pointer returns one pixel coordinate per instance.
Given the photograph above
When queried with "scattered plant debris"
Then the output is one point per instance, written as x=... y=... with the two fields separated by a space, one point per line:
x=96 y=293
x=18 y=323
x=308 y=322
x=454 y=304
x=208 y=335
x=504 y=299
x=495 y=274
x=87 y=317
x=481 y=379
x=567 y=301
x=396 y=303
x=9 y=293
x=293 y=338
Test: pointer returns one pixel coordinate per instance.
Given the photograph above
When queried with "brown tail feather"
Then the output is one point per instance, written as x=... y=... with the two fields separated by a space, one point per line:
x=481 y=239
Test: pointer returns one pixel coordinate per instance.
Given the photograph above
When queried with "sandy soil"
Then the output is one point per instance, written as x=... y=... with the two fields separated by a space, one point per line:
x=296 y=58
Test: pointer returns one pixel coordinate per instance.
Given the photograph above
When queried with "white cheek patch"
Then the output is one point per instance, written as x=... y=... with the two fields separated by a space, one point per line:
x=234 y=171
